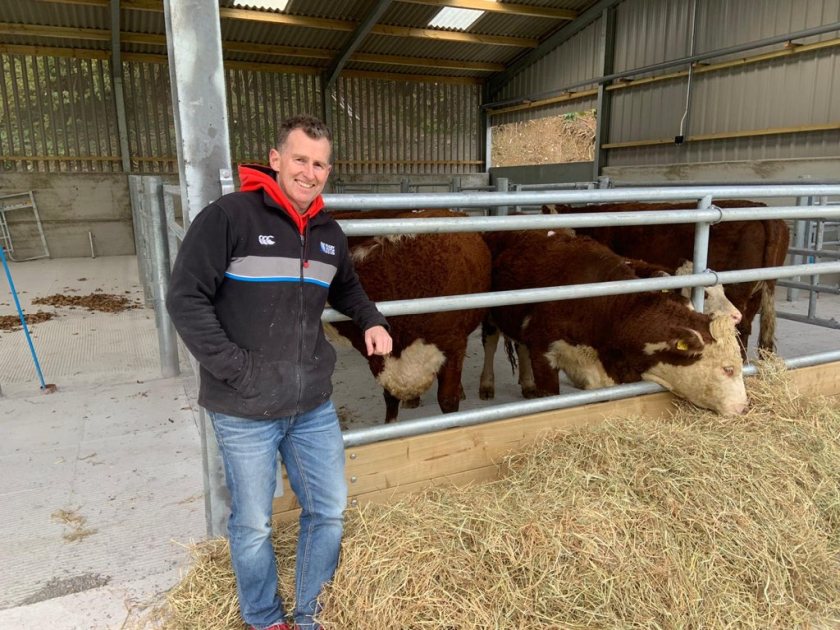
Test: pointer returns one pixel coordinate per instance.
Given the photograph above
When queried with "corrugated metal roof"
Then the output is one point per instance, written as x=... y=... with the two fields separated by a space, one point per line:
x=323 y=29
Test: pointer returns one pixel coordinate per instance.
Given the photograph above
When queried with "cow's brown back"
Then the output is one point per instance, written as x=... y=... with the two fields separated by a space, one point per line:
x=411 y=266
x=732 y=246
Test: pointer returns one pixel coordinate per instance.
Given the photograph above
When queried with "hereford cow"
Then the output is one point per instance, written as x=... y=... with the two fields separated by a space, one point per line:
x=716 y=304
x=602 y=341
x=732 y=245
x=429 y=345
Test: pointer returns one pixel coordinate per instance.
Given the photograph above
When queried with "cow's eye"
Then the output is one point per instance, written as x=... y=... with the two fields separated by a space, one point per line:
x=729 y=370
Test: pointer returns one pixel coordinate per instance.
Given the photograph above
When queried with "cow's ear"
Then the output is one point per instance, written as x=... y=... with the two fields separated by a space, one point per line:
x=686 y=341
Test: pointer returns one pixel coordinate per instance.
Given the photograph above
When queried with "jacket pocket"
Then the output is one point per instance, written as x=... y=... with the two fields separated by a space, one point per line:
x=270 y=388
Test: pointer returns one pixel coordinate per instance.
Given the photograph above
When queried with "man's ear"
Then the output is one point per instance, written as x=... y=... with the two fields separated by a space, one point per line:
x=274 y=159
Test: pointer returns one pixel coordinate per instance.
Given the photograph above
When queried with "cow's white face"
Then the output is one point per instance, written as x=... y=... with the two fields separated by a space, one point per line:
x=715 y=381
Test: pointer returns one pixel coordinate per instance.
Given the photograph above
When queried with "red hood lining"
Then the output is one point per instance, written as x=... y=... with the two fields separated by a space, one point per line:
x=257 y=177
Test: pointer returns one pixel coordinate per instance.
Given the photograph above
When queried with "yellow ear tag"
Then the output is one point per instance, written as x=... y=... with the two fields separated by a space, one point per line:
x=682 y=345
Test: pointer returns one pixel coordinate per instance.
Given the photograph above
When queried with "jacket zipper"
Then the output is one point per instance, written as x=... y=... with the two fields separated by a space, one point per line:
x=302 y=326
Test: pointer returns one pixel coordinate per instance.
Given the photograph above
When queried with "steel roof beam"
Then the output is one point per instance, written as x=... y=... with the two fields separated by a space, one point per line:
x=586 y=18
x=344 y=55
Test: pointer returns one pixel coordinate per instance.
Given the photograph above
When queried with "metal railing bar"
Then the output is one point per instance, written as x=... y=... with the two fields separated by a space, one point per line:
x=373 y=227
x=429 y=424
x=478 y=199
x=594 y=289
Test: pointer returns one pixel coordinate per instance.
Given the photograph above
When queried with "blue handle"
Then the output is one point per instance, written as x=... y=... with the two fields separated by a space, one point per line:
x=22 y=318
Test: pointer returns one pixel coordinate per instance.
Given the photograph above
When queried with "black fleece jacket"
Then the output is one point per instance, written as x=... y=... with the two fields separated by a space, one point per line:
x=246 y=295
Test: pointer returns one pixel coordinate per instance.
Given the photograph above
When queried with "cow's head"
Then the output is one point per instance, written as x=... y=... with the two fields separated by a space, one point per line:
x=715 y=302
x=705 y=369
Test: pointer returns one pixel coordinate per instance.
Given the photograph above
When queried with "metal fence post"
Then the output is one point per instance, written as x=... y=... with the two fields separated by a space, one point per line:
x=799 y=229
x=502 y=184
x=701 y=253
x=138 y=215
x=159 y=246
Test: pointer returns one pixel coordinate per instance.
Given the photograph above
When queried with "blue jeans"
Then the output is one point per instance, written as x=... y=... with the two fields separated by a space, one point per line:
x=312 y=450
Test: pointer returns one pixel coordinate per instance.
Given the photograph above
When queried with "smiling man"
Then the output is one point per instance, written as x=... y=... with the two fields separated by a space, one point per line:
x=248 y=288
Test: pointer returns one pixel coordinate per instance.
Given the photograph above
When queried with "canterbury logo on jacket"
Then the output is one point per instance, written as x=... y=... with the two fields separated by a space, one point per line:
x=246 y=295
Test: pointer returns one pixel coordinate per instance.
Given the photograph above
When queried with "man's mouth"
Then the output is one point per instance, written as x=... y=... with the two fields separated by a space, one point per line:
x=304 y=184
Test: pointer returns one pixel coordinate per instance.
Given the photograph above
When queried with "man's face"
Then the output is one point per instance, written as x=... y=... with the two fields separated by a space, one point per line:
x=302 y=168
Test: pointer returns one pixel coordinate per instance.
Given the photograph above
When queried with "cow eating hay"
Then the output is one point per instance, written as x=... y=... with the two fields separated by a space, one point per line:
x=690 y=521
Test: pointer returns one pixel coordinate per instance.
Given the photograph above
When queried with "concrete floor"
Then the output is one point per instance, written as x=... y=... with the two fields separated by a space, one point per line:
x=102 y=486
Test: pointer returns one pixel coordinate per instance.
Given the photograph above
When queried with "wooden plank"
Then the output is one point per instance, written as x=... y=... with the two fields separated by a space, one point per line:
x=453 y=36
x=285 y=510
x=818 y=379
x=285 y=19
x=386 y=470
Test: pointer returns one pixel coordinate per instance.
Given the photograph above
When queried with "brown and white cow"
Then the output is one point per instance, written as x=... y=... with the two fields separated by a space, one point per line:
x=732 y=245
x=716 y=304
x=428 y=346
x=603 y=341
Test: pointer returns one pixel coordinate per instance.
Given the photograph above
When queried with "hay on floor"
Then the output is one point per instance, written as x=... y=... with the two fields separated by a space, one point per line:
x=695 y=521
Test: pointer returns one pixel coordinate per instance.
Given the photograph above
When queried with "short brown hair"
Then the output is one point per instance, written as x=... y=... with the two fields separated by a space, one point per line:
x=313 y=127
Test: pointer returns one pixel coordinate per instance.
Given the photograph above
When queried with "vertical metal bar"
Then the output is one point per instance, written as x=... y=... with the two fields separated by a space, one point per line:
x=604 y=104
x=701 y=253
x=141 y=248
x=169 y=217
x=814 y=279
x=201 y=128
x=167 y=343
x=117 y=83
x=799 y=229
x=502 y=184
x=486 y=123
x=226 y=181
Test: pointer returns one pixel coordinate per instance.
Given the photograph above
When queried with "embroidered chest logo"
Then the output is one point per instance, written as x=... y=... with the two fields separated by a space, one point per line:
x=327 y=248
x=266 y=239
